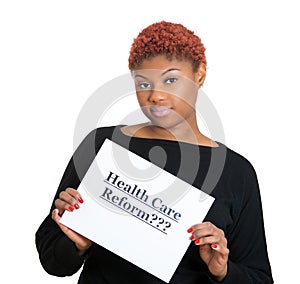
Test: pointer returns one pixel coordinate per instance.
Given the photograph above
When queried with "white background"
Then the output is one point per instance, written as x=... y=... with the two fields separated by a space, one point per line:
x=55 y=54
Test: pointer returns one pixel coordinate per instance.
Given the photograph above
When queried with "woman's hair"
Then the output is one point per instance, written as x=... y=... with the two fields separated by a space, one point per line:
x=170 y=39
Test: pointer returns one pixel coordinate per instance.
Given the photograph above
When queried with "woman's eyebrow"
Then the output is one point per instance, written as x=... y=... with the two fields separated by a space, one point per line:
x=169 y=70
x=139 y=75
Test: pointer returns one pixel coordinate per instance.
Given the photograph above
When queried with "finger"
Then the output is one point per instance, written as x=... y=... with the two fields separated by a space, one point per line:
x=201 y=226
x=69 y=199
x=73 y=192
x=206 y=226
x=211 y=240
x=55 y=215
x=56 y=218
x=206 y=229
x=62 y=206
x=222 y=250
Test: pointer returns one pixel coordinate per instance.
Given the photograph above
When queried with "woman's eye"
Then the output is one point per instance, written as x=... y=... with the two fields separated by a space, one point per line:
x=170 y=80
x=143 y=85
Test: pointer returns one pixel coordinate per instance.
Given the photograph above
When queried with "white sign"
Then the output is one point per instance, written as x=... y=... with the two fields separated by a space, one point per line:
x=137 y=210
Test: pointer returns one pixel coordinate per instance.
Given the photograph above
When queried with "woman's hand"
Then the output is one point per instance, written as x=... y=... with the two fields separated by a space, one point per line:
x=212 y=248
x=68 y=200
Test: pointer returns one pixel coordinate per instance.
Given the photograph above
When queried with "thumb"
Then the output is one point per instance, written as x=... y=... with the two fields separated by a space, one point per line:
x=56 y=218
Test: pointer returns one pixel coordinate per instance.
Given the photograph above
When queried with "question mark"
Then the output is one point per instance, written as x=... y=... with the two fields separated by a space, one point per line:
x=168 y=226
x=154 y=217
x=161 y=221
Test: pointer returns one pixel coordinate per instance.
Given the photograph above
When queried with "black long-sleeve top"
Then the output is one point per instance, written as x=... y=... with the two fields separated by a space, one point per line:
x=221 y=172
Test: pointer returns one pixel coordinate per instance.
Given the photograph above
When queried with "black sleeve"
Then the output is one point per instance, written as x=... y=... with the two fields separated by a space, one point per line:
x=248 y=256
x=57 y=253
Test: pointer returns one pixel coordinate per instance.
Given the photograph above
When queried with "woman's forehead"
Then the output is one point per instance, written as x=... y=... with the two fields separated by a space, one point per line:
x=161 y=64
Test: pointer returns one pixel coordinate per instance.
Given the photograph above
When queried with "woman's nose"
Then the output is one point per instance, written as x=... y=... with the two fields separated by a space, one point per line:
x=157 y=95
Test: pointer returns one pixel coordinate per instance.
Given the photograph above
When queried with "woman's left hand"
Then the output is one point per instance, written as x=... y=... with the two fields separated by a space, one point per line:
x=212 y=248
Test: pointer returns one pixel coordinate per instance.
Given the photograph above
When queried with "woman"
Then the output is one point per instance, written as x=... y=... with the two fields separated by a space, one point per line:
x=168 y=66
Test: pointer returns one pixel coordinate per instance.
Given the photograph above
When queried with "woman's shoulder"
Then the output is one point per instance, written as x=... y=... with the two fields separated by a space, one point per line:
x=135 y=130
x=94 y=138
x=129 y=130
x=239 y=163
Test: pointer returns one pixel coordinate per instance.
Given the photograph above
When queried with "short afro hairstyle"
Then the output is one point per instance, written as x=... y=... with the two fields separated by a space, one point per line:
x=170 y=39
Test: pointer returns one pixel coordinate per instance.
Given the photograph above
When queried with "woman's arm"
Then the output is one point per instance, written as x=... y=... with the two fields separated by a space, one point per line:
x=248 y=258
x=58 y=254
x=240 y=255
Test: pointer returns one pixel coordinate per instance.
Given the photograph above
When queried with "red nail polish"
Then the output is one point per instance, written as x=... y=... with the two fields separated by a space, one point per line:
x=197 y=242
x=80 y=200
x=214 y=246
x=192 y=237
x=190 y=230
x=71 y=208
x=76 y=206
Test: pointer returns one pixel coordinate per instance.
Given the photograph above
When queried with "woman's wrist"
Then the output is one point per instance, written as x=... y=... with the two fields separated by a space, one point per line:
x=221 y=276
x=83 y=250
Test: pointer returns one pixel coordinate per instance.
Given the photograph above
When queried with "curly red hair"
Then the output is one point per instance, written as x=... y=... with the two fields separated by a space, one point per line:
x=170 y=39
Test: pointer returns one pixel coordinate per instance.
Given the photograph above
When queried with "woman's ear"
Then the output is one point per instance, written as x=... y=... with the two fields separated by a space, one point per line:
x=201 y=74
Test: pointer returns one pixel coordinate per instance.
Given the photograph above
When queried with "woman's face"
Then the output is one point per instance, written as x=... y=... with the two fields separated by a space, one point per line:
x=167 y=90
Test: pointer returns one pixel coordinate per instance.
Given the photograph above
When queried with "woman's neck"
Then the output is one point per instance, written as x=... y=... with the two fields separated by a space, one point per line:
x=188 y=134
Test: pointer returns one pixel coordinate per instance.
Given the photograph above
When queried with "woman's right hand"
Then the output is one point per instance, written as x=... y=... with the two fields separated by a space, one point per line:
x=68 y=200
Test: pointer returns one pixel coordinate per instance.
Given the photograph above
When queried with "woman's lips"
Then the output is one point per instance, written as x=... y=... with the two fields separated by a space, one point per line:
x=160 y=111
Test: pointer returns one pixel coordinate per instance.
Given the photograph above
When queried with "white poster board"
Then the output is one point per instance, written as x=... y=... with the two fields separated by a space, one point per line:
x=142 y=219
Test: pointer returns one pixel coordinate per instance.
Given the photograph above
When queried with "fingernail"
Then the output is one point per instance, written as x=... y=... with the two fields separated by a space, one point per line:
x=214 y=246
x=192 y=237
x=197 y=242
x=80 y=200
x=76 y=206
x=71 y=208
x=190 y=230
